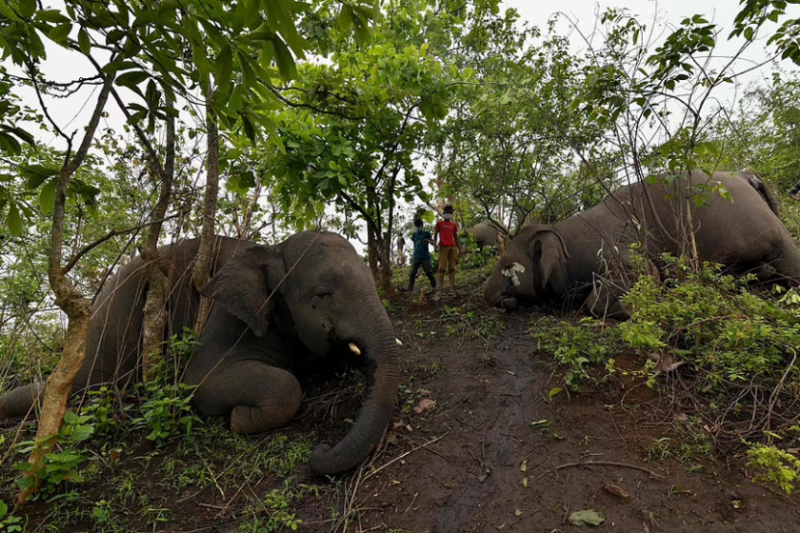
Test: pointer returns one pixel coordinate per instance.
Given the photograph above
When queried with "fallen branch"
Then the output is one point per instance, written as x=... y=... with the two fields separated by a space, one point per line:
x=607 y=463
x=402 y=456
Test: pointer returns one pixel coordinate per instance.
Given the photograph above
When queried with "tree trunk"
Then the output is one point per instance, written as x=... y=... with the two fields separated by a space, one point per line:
x=75 y=306
x=385 y=267
x=202 y=266
x=372 y=251
x=155 y=316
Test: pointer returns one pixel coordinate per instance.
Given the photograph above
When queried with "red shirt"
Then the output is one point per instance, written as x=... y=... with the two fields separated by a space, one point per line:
x=446 y=230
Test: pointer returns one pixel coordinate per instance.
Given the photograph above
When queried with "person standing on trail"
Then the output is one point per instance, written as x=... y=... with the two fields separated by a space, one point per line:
x=422 y=257
x=447 y=237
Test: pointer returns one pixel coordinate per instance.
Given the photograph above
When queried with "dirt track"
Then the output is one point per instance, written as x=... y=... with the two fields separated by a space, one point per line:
x=472 y=479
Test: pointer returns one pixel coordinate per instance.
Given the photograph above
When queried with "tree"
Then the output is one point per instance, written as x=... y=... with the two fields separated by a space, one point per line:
x=353 y=126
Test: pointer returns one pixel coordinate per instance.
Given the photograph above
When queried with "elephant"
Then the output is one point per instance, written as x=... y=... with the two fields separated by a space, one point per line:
x=278 y=312
x=486 y=235
x=588 y=256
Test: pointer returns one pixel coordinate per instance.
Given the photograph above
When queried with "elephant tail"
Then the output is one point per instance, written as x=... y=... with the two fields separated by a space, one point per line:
x=758 y=184
x=19 y=401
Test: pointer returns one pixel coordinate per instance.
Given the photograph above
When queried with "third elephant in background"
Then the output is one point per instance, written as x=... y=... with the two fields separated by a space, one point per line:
x=588 y=255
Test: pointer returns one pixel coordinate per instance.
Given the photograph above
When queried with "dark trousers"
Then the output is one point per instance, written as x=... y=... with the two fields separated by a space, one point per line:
x=426 y=267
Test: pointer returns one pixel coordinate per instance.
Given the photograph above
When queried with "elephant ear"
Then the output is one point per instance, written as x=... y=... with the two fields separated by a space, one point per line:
x=549 y=254
x=243 y=286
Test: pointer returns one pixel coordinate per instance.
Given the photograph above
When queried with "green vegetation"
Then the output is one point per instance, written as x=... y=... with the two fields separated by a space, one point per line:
x=359 y=116
x=727 y=343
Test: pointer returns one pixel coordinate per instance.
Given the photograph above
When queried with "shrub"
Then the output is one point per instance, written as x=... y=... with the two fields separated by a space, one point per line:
x=166 y=410
x=61 y=467
x=776 y=466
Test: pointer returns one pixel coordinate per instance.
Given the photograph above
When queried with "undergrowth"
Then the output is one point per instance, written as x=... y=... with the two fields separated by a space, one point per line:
x=728 y=356
x=118 y=437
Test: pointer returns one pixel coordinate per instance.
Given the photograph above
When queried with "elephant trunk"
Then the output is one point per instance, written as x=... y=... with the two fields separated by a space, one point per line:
x=383 y=366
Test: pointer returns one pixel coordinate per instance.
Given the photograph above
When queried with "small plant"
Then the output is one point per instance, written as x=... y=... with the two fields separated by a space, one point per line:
x=61 y=467
x=8 y=522
x=408 y=399
x=777 y=466
x=103 y=517
x=459 y=321
x=277 y=505
x=167 y=410
x=99 y=410
x=578 y=347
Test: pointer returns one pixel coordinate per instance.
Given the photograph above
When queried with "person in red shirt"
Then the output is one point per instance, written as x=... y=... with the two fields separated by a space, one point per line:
x=447 y=237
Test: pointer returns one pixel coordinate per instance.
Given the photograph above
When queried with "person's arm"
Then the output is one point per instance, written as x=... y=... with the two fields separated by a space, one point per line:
x=436 y=237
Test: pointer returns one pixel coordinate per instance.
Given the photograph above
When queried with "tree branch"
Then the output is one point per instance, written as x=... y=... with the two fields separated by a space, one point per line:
x=110 y=235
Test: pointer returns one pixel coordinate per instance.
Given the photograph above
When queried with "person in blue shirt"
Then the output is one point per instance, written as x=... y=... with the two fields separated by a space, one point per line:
x=421 y=257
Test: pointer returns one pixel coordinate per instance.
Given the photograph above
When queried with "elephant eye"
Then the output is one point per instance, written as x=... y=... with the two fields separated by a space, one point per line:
x=322 y=293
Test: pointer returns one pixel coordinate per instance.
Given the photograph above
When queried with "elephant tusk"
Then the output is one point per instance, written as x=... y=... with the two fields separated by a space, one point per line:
x=354 y=348
x=399 y=342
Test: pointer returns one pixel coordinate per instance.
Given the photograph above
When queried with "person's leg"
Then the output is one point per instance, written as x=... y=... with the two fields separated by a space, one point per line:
x=451 y=270
x=413 y=277
x=426 y=267
x=443 y=254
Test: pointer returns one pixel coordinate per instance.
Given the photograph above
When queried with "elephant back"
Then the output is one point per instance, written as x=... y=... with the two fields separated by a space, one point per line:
x=114 y=340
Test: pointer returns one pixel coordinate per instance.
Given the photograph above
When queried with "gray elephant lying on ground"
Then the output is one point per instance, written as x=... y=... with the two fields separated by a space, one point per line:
x=486 y=235
x=574 y=255
x=278 y=309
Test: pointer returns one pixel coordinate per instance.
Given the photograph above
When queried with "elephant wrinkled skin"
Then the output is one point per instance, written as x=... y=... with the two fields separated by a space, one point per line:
x=277 y=310
x=587 y=255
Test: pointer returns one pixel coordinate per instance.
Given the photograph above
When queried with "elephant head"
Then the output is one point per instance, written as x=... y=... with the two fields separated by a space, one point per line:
x=533 y=267
x=316 y=285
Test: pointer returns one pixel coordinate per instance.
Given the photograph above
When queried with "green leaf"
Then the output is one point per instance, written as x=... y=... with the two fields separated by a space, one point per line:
x=60 y=33
x=555 y=391
x=132 y=79
x=284 y=59
x=27 y=8
x=248 y=75
x=71 y=418
x=116 y=66
x=224 y=69
x=36 y=175
x=83 y=42
x=13 y=220
x=47 y=196
x=345 y=18
x=588 y=517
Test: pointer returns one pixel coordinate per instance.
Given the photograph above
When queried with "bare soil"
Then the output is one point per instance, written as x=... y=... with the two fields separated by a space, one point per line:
x=495 y=453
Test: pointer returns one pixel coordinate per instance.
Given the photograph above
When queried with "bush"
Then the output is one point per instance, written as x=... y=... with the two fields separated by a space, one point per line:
x=711 y=321
x=737 y=348
x=776 y=466
x=167 y=410
x=577 y=347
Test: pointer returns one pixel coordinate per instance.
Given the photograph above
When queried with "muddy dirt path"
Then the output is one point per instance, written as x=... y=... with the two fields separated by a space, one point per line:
x=500 y=440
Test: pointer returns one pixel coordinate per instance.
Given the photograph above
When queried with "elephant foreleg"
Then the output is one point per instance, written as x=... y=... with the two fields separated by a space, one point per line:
x=258 y=397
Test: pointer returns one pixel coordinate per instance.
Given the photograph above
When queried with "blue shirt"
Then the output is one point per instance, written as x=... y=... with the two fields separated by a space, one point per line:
x=420 y=246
